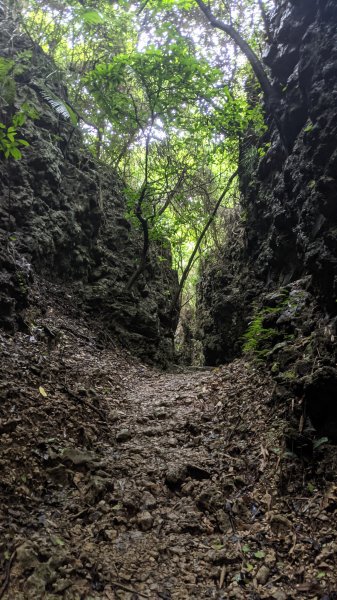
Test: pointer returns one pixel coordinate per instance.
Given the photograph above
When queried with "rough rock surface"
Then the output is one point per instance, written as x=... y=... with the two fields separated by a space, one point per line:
x=289 y=218
x=62 y=216
x=291 y=205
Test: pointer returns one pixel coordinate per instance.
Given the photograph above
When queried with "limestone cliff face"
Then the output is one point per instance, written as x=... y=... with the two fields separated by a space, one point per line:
x=282 y=278
x=63 y=217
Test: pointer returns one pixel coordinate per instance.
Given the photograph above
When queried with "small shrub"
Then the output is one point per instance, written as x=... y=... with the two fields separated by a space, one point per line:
x=9 y=143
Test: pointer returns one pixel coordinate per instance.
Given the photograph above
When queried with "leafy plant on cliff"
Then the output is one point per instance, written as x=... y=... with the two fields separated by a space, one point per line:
x=257 y=336
x=7 y=82
x=60 y=106
x=14 y=111
x=10 y=144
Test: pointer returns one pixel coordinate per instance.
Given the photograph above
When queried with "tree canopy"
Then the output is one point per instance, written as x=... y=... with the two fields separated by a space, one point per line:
x=164 y=93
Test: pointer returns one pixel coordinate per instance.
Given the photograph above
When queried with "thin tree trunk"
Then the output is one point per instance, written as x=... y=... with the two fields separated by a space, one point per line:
x=146 y=244
x=200 y=238
x=145 y=226
x=265 y=20
x=146 y=239
x=171 y=194
x=99 y=140
x=272 y=96
x=257 y=65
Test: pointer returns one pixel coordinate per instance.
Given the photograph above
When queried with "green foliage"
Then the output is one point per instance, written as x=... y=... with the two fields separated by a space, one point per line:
x=164 y=4
x=91 y=17
x=309 y=127
x=9 y=69
x=7 y=82
x=10 y=144
x=60 y=106
x=318 y=443
x=6 y=66
x=163 y=102
x=262 y=150
x=257 y=336
x=289 y=375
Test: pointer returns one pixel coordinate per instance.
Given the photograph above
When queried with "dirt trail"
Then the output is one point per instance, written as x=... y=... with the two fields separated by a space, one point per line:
x=119 y=481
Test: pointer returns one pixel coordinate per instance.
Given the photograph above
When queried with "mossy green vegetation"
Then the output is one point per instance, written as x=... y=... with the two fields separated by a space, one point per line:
x=259 y=337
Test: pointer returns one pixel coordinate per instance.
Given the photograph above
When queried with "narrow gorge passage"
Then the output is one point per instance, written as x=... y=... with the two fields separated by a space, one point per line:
x=121 y=481
x=168 y=188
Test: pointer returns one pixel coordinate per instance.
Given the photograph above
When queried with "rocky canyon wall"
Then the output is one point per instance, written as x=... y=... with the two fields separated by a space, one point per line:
x=275 y=292
x=62 y=218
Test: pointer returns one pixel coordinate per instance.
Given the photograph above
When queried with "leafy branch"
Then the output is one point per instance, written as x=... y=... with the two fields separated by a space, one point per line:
x=200 y=239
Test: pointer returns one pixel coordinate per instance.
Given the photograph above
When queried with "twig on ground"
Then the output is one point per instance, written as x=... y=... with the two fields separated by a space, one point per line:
x=128 y=589
x=7 y=574
x=79 y=514
x=86 y=403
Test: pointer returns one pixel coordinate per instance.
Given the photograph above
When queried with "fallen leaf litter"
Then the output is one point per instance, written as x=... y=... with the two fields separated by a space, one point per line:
x=121 y=481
